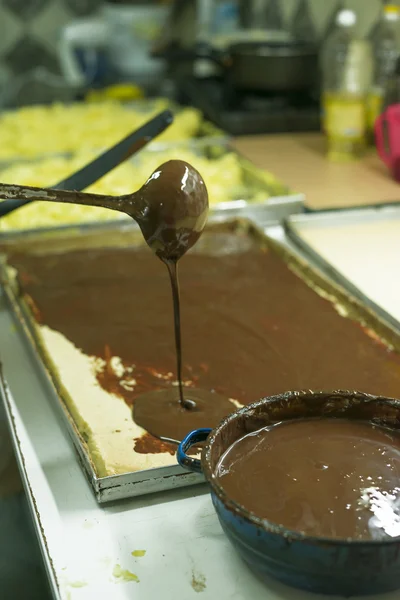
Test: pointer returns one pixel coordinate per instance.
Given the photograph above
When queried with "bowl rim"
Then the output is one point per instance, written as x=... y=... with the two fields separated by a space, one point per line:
x=265 y=524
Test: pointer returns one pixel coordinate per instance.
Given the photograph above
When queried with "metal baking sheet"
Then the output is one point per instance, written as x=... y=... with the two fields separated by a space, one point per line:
x=256 y=181
x=275 y=201
x=133 y=484
x=297 y=225
x=350 y=208
x=278 y=204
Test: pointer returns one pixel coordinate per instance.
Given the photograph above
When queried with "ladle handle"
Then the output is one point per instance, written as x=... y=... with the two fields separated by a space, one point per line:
x=193 y=438
x=130 y=203
x=12 y=191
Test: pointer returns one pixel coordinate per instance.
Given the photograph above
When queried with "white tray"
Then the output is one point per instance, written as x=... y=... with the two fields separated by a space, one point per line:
x=359 y=248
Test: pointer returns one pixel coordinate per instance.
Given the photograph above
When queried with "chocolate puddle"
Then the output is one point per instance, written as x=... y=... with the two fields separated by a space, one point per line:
x=163 y=412
x=184 y=403
x=332 y=478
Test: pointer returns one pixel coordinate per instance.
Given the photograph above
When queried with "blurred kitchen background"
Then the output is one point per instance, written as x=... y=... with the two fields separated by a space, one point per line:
x=67 y=50
x=31 y=29
x=58 y=49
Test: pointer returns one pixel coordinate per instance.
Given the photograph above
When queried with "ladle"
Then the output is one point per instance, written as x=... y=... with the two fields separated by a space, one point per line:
x=171 y=210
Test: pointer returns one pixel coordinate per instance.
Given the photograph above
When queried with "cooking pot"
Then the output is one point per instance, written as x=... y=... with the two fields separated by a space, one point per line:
x=272 y=66
x=322 y=565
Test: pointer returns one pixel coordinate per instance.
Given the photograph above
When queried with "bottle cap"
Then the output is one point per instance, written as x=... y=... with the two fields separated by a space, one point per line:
x=346 y=18
x=391 y=12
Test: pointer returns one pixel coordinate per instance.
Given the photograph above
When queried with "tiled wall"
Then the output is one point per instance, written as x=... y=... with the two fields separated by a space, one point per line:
x=29 y=28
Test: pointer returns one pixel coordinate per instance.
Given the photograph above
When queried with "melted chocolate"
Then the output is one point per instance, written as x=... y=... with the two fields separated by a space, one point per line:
x=174 y=209
x=184 y=402
x=331 y=478
x=252 y=327
x=176 y=212
x=161 y=413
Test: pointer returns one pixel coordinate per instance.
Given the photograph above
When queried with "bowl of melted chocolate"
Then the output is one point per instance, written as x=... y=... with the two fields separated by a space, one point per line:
x=306 y=486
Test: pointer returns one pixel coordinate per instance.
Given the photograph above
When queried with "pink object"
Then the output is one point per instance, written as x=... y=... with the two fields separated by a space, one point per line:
x=387 y=138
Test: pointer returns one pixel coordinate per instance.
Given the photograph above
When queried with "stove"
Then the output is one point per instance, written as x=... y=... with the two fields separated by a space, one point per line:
x=241 y=113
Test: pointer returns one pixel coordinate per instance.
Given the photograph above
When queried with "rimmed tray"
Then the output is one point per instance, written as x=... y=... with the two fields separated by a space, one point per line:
x=358 y=218
x=142 y=482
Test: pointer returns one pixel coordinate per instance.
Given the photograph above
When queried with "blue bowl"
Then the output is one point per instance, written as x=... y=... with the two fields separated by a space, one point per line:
x=321 y=565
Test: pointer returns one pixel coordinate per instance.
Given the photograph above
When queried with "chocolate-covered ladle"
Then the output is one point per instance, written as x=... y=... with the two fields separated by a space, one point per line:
x=171 y=209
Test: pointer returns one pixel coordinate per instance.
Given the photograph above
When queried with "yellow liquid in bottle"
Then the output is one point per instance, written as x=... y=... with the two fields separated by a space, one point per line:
x=345 y=125
x=374 y=107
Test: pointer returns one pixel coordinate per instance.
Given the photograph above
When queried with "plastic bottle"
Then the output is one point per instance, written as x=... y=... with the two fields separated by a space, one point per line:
x=386 y=48
x=391 y=93
x=347 y=71
x=226 y=17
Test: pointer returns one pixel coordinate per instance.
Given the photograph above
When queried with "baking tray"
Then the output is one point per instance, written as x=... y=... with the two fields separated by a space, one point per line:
x=133 y=484
x=255 y=179
x=350 y=208
x=295 y=224
x=279 y=201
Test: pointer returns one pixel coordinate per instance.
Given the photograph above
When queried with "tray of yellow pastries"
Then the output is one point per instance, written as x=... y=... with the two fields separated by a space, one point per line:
x=236 y=187
x=58 y=129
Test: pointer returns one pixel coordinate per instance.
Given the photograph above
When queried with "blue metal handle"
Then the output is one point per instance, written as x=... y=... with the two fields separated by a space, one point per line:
x=193 y=438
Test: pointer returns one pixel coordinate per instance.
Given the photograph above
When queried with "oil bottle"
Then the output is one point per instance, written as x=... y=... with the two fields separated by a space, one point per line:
x=347 y=73
x=386 y=47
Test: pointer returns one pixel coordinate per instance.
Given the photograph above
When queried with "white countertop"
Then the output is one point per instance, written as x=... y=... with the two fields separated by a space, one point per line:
x=187 y=554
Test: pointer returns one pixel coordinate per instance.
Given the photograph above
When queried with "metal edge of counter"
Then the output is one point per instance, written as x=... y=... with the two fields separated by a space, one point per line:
x=39 y=529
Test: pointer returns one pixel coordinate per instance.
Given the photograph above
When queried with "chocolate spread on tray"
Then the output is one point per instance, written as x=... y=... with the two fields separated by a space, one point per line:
x=252 y=327
x=336 y=478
